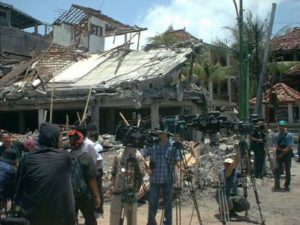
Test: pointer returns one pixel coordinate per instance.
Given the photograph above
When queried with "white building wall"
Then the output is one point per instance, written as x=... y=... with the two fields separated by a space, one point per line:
x=97 y=43
x=63 y=34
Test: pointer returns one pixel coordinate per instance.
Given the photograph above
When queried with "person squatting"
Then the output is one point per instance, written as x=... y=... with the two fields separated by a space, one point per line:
x=48 y=184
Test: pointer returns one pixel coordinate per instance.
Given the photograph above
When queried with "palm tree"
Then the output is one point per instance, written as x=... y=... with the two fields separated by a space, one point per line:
x=255 y=32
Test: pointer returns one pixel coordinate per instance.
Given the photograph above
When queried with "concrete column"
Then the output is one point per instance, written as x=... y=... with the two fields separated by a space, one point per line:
x=36 y=29
x=41 y=114
x=154 y=115
x=290 y=113
x=196 y=135
x=210 y=89
x=95 y=115
x=229 y=90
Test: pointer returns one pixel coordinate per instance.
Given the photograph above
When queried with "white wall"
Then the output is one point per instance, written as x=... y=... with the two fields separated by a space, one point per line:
x=97 y=43
x=63 y=34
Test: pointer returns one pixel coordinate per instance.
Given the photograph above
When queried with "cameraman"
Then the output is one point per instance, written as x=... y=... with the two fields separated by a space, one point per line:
x=128 y=171
x=284 y=153
x=257 y=145
x=162 y=163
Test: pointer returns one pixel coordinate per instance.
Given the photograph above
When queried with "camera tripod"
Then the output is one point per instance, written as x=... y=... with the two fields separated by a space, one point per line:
x=246 y=170
x=178 y=146
x=129 y=193
x=221 y=189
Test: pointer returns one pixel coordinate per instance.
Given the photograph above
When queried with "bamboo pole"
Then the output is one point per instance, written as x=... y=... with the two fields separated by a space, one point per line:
x=124 y=119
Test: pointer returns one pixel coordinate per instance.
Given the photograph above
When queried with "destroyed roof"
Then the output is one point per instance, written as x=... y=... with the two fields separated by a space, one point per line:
x=20 y=19
x=115 y=67
x=284 y=94
x=289 y=41
x=183 y=35
x=78 y=14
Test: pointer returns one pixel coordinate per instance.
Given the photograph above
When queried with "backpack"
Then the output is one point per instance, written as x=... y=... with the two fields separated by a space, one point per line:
x=77 y=178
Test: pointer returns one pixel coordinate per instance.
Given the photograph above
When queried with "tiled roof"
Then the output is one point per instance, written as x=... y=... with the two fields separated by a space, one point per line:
x=289 y=41
x=284 y=94
x=294 y=71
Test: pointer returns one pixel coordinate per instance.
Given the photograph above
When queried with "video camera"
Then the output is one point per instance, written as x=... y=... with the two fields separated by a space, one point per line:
x=136 y=137
x=209 y=122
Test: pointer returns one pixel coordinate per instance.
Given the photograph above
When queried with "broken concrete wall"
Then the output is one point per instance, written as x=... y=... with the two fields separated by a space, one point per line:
x=19 y=42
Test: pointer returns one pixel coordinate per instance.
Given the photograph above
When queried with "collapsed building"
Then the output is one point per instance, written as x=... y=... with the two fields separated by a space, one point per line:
x=75 y=79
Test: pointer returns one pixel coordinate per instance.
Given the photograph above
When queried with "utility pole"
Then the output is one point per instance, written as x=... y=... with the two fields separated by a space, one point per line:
x=243 y=79
x=258 y=104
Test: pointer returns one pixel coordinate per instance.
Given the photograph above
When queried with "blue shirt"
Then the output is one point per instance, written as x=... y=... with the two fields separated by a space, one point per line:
x=7 y=175
x=283 y=139
x=163 y=157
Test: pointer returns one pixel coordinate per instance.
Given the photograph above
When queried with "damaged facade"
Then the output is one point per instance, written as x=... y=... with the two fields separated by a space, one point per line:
x=74 y=68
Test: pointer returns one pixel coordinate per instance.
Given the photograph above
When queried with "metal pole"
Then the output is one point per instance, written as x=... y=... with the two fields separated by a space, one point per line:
x=243 y=102
x=258 y=103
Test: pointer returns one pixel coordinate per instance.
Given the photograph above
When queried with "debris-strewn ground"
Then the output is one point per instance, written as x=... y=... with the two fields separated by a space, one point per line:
x=278 y=208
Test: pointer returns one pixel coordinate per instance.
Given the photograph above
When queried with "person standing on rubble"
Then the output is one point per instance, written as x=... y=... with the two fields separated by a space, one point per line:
x=257 y=145
x=83 y=179
x=88 y=145
x=128 y=171
x=284 y=153
x=43 y=189
x=163 y=159
x=94 y=137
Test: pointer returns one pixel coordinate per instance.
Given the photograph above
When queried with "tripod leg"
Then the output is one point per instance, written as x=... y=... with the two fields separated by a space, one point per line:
x=162 y=217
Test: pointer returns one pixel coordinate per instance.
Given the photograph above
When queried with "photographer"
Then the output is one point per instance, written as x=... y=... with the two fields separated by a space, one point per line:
x=257 y=145
x=128 y=171
x=284 y=153
x=236 y=202
x=162 y=162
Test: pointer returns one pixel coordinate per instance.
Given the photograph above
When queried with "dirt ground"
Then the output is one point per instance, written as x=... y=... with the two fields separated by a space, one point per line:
x=278 y=208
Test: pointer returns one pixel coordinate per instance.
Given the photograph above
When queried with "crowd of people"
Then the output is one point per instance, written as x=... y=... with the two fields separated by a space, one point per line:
x=48 y=185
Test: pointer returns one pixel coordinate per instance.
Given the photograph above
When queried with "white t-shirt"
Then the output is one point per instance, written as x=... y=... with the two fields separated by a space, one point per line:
x=88 y=146
x=98 y=147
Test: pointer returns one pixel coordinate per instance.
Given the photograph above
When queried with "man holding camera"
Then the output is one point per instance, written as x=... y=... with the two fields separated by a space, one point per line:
x=284 y=153
x=128 y=171
x=162 y=163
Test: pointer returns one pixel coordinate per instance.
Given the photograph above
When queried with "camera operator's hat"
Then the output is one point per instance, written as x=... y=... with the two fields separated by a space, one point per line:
x=228 y=160
x=282 y=123
x=9 y=156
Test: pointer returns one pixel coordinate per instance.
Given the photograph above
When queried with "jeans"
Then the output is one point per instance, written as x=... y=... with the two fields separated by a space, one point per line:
x=167 y=189
x=287 y=161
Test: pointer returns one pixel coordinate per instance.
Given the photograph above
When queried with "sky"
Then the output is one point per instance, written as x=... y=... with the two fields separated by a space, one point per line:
x=205 y=19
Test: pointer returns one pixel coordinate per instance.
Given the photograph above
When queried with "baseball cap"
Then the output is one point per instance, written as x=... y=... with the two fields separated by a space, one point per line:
x=228 y=160
x=282 y=123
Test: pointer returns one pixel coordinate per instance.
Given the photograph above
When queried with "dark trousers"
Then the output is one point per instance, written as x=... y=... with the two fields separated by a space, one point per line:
x=259 y=162
x=87 y=207
x=286 y=161
x=99 y=185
